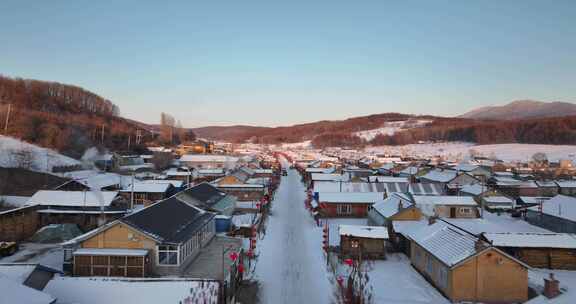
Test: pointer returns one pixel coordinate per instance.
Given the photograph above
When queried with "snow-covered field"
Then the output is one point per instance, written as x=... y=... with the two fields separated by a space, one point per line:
x=290 y=265
x=42 y=159
x=460 y=150
x=390 y=128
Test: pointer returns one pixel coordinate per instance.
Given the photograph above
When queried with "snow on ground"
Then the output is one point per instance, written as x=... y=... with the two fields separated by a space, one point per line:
x=395 y=281
x=390 y=128
x=567 y=281
x=50 y=255
x=461 y=150
x=115 y=290
x=42 y=159
x=290 y=265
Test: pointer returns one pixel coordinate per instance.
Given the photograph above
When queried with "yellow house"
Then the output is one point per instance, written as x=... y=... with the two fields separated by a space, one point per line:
x=465 y=268
x=161 y=239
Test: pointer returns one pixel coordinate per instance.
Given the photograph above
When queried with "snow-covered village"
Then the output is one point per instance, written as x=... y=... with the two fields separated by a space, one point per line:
x=287 y=152
x=288 y=223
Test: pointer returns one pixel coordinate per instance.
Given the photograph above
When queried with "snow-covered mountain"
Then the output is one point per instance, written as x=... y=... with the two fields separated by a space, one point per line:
x=522 y=109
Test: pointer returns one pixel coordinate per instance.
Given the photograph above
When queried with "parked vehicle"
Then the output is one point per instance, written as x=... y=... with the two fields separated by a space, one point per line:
x=8 y=248
x=284 y=172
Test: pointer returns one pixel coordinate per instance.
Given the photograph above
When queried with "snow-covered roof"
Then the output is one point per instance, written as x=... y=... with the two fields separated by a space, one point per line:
x=560 y=206
x=498 y=200
x=143 y=291
x=329 y=177
x=320 y=170
x=208 y=158
x=147 y=187
x=174 y=182
x=440 y=176
x=448 y=244
x=411 y=170
x=111 y=252
x=370 y=232
x=426 y=189
x=466 y=167
x=15 y=292
x=73 y=198
x=389 y=206
x=387 y=179
x=532 y=240
x=474 y=189
x=211 y=171
x=350 y=197
x=17 y=272
x=566 y=183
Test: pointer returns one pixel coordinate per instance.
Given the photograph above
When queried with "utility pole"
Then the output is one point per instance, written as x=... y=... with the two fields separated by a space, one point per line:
x=102 y=135
x=7 y=119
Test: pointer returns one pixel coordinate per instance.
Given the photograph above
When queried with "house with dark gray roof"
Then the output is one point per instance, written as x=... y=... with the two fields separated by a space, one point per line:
x=208 y=197
x=162 y=239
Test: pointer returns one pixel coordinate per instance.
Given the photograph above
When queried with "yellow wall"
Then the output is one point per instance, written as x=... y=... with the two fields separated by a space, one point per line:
x=117 y=236
x=498 y=279
x=410 y=214
x=228 y=180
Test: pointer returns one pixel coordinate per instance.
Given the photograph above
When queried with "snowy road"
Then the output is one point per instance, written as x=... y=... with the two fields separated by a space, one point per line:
x=290 y=266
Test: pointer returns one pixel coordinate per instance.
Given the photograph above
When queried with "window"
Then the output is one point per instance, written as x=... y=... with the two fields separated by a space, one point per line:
x=443 y=277
x=465 y=211
x=140 y=198
x=429 y=265
x=168 y=255
x=344 y=209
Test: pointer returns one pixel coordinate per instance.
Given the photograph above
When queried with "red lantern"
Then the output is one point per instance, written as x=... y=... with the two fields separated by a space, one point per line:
x=241 y=268
x=233 y=256
x=348 y=262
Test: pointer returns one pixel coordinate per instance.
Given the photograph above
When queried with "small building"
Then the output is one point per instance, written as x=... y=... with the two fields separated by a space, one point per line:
x=548 y=188
x=396 y=207
x=208 y=161
x=474 y=170
x=347 y=204
x=557 y=214
x=206 y=196
x=567 y=187
x=539 y=250
x=447 y=206
x=465 y=268
x=87 y=209
x=366 y=241
x=497 y=203
x=161 y=239
x=147 y=193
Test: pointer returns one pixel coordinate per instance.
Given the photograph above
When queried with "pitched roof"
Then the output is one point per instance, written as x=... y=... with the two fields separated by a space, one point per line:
x=447 y=243
x=73 y=198
x=389 y=206
x=440 y=176
x=170 y=221
x=532 y=240
x=204 y=193
x=350 y=197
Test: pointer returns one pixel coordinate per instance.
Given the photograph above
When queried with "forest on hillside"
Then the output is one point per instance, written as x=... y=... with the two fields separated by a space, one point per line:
x=71 y=119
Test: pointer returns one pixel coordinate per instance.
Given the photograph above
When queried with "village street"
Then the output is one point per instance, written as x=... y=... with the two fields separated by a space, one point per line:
x=290 y=265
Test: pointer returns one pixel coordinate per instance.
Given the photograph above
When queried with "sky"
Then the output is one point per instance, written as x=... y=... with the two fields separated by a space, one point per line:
x=276 y=63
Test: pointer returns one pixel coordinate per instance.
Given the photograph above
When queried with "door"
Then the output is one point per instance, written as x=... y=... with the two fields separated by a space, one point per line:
x=452 y=212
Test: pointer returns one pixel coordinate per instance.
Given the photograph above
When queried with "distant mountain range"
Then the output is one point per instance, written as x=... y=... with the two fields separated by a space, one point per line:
x=522 y=109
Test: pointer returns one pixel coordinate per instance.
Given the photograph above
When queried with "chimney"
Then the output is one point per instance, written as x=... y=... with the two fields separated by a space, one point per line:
x=400 y=205
x=431 y=220
x=480 y=245
x=551 y=287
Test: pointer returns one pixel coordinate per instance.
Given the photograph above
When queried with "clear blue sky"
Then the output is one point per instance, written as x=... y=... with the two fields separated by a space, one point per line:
x=282 y=62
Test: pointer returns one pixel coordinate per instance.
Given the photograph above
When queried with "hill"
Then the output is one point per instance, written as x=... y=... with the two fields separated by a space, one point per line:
x=362 y=127
x=522 y=109
x=63 y=117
